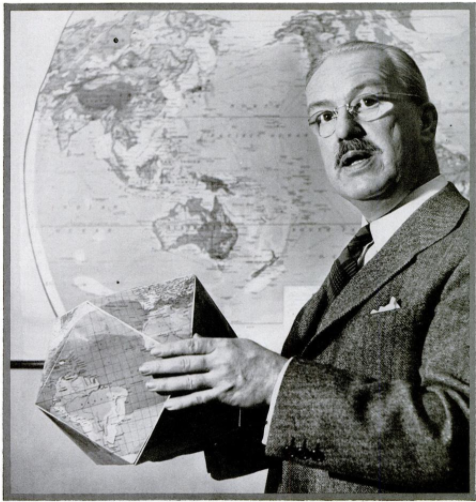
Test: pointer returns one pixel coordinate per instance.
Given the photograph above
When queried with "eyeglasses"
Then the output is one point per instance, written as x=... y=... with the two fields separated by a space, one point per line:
x=363 y=108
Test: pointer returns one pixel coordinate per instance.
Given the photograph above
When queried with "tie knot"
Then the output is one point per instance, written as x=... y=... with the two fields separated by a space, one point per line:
x=360 y=240
x=364 y=234
x=346 y=265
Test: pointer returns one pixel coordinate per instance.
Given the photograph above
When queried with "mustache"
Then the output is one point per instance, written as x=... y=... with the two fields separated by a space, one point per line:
x=363 y=145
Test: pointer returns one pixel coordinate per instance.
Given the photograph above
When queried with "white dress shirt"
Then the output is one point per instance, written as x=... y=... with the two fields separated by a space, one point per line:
x=381 y=230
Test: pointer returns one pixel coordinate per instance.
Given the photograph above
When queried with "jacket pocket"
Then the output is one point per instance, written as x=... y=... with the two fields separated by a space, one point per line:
x=392 y=343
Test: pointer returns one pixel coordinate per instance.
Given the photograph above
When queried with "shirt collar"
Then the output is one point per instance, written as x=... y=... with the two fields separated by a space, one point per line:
x=383 y=228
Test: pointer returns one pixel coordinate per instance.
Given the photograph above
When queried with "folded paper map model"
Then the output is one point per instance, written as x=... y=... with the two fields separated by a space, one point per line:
x=92 y=387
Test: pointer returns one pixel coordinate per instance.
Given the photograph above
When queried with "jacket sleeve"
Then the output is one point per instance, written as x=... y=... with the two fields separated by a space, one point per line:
x=240 y=451
x=396 y=434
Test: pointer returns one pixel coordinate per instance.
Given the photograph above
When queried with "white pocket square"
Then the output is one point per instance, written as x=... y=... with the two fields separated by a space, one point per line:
x=392 y=305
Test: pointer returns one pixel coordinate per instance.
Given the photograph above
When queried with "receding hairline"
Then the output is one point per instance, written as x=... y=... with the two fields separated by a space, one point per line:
x=333 y=54
x=407 y=72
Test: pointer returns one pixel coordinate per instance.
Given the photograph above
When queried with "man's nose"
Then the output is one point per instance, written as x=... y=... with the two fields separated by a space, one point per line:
x=347 y=127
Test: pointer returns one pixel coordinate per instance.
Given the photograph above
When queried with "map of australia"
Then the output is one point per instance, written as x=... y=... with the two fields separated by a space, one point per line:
x=167 y=143
x=213 y=231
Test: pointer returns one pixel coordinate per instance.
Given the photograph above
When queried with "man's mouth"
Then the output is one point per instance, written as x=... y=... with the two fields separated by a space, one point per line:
x=354 y=158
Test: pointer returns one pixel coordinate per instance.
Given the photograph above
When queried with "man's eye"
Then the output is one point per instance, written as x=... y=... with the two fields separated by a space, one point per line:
x=367 y=102
x=326 y=116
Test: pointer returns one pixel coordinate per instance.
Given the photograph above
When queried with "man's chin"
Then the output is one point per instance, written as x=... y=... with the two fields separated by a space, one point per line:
x=371 y=192
x=363 y=195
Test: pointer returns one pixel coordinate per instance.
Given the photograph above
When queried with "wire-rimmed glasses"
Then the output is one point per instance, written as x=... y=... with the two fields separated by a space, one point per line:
x=363 y=108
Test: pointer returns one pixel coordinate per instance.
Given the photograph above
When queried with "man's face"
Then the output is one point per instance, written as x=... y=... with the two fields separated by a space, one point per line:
x=366 y=160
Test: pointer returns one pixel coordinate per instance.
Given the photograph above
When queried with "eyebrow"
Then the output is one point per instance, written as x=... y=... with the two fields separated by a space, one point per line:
x=320 y=104
x=356 y=89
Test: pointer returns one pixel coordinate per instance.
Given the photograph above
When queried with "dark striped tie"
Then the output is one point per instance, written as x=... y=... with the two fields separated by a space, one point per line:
x=346 y=265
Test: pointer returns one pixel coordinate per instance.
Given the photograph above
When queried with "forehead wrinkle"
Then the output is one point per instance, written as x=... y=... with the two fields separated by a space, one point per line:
x=373 y=82
x=343 y=76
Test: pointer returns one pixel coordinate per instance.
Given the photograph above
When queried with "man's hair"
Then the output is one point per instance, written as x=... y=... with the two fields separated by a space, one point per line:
x=405 y=70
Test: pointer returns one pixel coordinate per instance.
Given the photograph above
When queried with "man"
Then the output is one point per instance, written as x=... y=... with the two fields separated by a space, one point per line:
x=371 y=392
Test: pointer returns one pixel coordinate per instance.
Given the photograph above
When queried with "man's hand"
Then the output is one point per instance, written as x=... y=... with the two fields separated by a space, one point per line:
x=234 y=371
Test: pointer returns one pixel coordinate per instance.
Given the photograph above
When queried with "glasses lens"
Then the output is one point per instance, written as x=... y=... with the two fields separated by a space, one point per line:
x=326 y=122
x=371 y=107
x=366 y=107
x=327 y=129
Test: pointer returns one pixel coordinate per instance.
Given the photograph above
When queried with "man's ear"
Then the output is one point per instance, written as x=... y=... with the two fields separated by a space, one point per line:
x=429 y=121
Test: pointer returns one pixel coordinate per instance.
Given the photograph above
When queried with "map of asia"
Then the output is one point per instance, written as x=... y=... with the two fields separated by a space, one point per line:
x=172 y=143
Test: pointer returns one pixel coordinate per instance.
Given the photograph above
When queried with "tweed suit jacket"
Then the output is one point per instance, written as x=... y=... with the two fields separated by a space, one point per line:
x=377 y=402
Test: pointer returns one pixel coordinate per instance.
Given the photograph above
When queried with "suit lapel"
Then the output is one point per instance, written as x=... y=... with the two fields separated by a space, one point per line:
x=434 y=220
x=306 y=322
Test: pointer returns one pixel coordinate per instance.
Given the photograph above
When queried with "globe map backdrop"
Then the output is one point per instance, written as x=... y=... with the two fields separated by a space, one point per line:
x=170 y=143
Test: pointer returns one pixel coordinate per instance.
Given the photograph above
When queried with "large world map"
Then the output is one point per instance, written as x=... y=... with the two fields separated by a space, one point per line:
x=171 y=143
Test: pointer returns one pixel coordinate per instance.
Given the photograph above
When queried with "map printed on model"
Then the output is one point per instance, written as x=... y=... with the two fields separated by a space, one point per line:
x=167 y=143
x=91 y=380
x=162 y=312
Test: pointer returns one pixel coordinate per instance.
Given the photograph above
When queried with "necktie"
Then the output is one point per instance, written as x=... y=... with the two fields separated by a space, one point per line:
x=346 y=265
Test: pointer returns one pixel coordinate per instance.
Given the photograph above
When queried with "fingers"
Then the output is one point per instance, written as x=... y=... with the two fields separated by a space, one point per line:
x=190 y=346
x=195 y=399
x=177 y=384
x=175 y=365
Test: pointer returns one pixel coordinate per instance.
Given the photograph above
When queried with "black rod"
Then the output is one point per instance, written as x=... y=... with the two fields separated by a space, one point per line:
x=27 y=365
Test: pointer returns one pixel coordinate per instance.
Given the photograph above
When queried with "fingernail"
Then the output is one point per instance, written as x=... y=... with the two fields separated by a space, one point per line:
x=156 y=352
x=146 y=369
x=149 y=385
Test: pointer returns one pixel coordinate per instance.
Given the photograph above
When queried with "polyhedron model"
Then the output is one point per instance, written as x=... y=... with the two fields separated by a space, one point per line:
x=91 y=383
